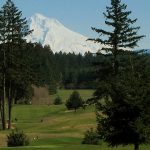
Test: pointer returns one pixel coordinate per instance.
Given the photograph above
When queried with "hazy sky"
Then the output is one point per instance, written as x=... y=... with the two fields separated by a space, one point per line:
x=80 y=15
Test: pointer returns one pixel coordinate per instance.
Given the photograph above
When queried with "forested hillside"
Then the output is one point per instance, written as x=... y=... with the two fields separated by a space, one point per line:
x=61 y=70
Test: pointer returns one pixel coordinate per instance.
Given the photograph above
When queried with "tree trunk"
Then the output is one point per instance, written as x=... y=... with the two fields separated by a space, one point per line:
x=75 y=110
x=136 y=146
x=9 y=117
x=1 y=113
x=3 y=105
x=4 y=92
x=115 y=62
x=9 y=105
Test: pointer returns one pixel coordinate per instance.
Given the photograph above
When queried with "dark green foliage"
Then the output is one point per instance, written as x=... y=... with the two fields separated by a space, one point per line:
x=122 y=34
x=42 y=67
x=123 y=86
x=123 y=113
x=13 y=30
x=74 y=101
x=60 y=70
x=91 y=137
x=17 y=138
x=57 y=101
x=24 y=96
x=75 y=70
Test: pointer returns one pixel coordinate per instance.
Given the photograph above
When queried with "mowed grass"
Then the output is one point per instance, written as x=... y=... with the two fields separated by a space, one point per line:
x=56 y=128
x=64 y=94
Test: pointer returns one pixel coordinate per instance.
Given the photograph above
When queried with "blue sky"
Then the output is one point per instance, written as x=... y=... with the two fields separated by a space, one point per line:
x=80 y=15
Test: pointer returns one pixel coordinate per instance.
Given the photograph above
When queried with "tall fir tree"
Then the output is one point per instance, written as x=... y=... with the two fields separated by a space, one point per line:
x=119 y=115
x=123 y=35
x=126 y=109
x=12 y=32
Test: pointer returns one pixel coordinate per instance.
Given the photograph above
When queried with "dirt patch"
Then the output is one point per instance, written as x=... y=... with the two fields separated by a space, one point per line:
x=41 y=96
x=3 y=140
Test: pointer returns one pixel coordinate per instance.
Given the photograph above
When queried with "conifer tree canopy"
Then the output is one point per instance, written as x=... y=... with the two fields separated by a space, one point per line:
x=123 y=87
x=13 y=29
x=123 y=34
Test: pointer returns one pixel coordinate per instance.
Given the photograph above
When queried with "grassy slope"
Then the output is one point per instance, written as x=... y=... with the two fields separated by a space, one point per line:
x=56 y=128
x=64 y=94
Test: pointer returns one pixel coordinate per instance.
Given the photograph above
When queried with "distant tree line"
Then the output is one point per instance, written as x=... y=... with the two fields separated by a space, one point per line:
x=62 y=70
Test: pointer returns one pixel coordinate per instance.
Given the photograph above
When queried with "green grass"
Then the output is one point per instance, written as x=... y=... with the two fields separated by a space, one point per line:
x=52 y=119
x=56 y=127
x=73 y=144
x=64 y=94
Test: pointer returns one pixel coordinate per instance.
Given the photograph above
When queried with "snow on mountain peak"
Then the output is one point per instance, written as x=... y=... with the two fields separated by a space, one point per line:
x=51 y=32
x=39 y=18
x=37 y=15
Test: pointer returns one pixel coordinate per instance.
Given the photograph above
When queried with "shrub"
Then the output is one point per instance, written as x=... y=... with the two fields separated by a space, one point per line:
x=91 y=137
x=17 y=138
x=57 y=101
x=74 y=101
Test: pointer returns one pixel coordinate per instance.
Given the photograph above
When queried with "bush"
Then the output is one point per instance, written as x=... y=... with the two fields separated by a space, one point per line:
x=17 y=138
x=24 y=102
x=74 y=101
x=57 y=101
x=91 y=137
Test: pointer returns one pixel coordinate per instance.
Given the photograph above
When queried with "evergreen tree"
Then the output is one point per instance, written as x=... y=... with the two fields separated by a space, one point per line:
x=117 y=96
x=123 y=35
x=126 y=106
x=58 y=101
x=12 y=32
x=74 y=101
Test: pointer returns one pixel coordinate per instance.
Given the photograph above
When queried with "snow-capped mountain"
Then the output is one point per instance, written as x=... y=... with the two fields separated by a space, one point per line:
x=51 y=32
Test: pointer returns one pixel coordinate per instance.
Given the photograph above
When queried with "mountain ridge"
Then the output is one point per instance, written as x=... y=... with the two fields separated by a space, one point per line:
x=49 y=31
